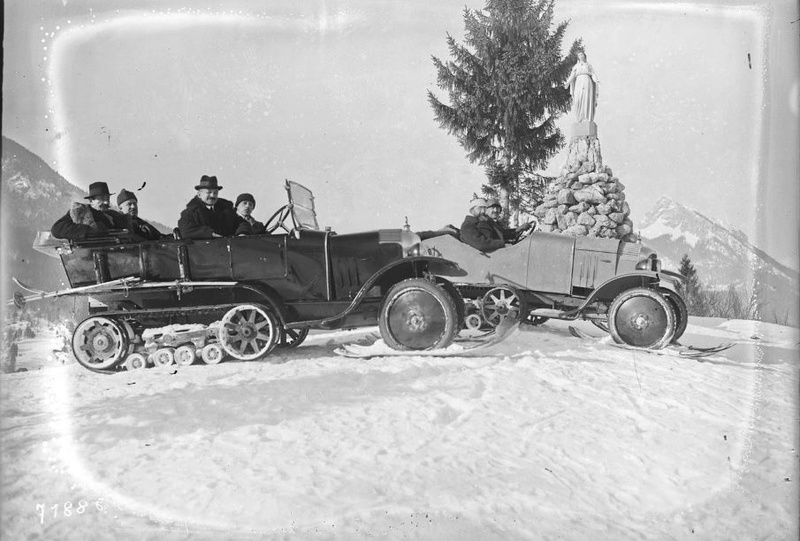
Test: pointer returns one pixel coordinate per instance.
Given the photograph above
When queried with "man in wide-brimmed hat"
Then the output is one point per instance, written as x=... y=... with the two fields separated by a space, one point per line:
x=207 y=215
x=94 y=219
x=128 y=205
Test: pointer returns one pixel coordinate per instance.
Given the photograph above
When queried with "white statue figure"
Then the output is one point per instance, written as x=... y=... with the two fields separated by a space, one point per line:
x=582 y=84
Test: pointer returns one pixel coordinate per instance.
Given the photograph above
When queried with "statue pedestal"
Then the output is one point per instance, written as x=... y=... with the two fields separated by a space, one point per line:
x=584 y=129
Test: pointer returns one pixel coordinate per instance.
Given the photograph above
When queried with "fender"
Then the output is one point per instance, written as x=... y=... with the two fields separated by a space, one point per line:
x=612 y=287
x=415 y=267
x=673 y=282
x=263 y=294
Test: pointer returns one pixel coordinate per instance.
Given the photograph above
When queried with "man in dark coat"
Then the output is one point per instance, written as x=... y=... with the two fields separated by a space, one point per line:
x=207 y=215
x=245 y=204
x=493 y=212
x=96 y=219
x=128 y=205
x=478 y=231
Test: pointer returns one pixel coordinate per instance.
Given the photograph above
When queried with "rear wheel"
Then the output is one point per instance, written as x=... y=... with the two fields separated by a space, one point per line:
x=100 y=343
x=641 y=317
x=418 y=315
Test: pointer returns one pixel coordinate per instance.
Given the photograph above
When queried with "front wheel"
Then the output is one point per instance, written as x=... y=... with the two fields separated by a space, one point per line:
x=418 y=315
x=641 y=317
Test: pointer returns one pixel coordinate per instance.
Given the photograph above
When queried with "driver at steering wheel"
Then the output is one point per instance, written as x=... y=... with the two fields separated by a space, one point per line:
x=493 y=212
x=481 y=229
x=207 y=215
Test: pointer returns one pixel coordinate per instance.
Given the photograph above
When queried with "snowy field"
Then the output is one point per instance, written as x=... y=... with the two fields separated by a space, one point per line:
x=544 y=436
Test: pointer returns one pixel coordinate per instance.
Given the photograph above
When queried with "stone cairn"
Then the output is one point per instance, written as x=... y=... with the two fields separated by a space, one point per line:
x=586 y=200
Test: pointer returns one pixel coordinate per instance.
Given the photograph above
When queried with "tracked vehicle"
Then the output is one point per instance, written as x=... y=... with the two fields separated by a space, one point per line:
x=180 y=300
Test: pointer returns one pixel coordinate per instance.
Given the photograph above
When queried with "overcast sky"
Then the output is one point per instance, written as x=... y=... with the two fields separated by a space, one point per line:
x=698 y=102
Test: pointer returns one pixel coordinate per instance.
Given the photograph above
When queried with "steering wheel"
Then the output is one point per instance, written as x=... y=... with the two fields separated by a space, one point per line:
x=279 y=220
x=525 y=234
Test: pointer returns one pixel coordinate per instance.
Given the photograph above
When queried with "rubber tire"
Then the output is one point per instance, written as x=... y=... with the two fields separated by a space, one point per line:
x=458 y=300
x=402 y=314
x=658 y=311
x=681 y=313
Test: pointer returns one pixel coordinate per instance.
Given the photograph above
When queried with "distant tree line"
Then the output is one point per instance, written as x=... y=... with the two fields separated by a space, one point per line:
x=731 y=303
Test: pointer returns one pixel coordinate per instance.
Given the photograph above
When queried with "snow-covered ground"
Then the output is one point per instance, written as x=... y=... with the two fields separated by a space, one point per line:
x=544 y=436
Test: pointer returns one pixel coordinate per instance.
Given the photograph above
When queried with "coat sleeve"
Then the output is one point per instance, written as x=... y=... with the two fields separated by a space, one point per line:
x=476 y=238
x=65 y=228
x=191 y=229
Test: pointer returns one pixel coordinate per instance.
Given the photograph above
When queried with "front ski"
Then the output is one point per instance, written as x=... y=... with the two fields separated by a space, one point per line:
x=693 y=352
x=469 y=346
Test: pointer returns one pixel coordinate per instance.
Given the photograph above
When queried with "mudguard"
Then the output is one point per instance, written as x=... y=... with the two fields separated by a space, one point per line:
x=410 y=267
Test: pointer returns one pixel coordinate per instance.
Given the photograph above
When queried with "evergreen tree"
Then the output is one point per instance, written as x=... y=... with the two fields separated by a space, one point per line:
x=505 y=88
x=694 y=295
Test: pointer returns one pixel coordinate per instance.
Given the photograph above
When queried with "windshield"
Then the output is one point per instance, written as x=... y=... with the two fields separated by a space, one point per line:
x=302 y=202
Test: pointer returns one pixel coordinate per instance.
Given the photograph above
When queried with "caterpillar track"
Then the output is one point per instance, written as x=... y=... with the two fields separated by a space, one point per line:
x=134 y=340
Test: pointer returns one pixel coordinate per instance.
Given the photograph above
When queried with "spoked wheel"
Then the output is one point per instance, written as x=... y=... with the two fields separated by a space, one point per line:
x=291 y=338
x=641 y=317
x=499 y=303
x=248 y=331
x=418 y=314
x=99 y=343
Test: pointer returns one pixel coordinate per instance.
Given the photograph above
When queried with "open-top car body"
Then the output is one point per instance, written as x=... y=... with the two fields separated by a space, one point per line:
x=618 y=285
x=175 y=300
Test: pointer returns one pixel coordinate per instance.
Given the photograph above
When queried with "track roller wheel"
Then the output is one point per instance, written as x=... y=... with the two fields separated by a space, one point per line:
x=163 y=357
x=473 y=322
x=100 y=343
x=212 y=354
x=185 y=355
x=135 y=361
x=248 y=331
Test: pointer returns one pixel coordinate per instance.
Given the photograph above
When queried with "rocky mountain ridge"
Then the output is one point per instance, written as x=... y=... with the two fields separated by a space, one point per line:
x=722 y=256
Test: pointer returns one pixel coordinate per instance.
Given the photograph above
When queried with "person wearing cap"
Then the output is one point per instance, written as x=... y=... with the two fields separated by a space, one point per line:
x=96 y=219
x=207 y=215
x=493 y=211
x=478 y=231
x=128 y=206
x=244 y=206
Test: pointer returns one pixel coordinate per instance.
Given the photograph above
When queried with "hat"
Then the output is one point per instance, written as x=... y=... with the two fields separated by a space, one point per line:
x=208 y=183
x=479 y=202
x=245 y=197
x=493 y=203
x=125 y=195
x=96 y=189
